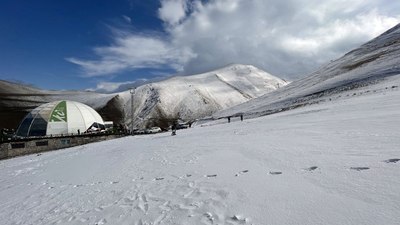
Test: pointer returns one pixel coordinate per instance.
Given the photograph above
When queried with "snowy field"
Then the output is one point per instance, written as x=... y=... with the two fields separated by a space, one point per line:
x=332 y=163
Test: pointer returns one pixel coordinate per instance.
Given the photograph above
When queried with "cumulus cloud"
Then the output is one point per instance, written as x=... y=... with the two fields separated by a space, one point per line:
x=286 y=38
x=172 y=11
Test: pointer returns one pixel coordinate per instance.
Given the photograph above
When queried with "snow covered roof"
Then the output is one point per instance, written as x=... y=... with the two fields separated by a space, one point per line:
x=58 y=117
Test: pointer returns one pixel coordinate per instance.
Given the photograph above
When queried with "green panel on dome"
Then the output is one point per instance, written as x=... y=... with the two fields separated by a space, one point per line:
x=59 y=113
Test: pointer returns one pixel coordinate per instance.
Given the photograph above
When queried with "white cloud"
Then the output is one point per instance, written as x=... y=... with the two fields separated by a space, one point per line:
x=332 y=36
x=109 y=87
x=127 y=18
x=130 y=51
x=172 y=11
x=286 y=38
x=112 y=87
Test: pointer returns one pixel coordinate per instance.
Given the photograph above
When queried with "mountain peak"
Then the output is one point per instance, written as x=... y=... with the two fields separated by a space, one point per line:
x=239 y=67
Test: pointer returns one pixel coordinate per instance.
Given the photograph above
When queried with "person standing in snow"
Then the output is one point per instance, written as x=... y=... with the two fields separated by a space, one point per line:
x=173 y=128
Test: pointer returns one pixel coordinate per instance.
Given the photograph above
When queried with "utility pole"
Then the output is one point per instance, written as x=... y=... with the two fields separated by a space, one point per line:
x=124 y=117
x=132 y=91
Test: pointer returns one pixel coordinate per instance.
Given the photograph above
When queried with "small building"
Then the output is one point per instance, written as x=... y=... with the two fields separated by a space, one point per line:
x=109 y=125
x=60 y=118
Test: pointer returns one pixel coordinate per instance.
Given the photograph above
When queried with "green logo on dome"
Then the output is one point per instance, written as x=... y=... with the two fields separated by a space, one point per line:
x=59 y=113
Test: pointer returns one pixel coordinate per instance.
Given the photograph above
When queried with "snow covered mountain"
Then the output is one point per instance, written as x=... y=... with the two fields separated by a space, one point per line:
x=374 y=62
x=155 y=104
x=197 y=96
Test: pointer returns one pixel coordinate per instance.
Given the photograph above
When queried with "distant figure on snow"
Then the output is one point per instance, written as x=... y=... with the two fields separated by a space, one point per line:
x=173 y=128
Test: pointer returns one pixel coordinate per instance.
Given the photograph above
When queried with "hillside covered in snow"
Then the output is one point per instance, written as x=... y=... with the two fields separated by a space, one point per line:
x=192 y=97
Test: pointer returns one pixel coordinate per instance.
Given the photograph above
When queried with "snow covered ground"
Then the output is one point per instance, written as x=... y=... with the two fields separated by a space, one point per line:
x=329 y=163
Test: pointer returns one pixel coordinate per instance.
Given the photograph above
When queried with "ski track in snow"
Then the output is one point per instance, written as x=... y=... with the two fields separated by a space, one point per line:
x=334 y=163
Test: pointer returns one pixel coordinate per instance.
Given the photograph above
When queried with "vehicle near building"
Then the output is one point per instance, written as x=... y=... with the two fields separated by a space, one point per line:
x=153 y=130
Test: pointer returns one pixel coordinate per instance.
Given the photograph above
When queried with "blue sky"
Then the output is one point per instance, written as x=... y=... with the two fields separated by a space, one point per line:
x=103 y=45
x=37 y=36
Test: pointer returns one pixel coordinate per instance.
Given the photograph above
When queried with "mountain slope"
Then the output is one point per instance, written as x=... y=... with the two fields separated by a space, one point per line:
x=371 y=63
x=192 y=97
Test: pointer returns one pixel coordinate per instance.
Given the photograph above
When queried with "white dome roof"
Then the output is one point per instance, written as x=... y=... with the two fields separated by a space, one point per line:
x=59 y=117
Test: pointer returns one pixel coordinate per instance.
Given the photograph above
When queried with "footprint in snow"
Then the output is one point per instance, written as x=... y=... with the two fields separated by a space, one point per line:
x=138 y=179
x=72 y=218
x=98 y=209
x=312 y=168
x=392 y=160
x=101 y=222
x=239 y=218
x=114 y=182
x=184 y=176
x=359 y=168
x=94 y=183
x=211 y=175
x=209 y=216
x=159 y=178
x=241 y=172
x=275 y=172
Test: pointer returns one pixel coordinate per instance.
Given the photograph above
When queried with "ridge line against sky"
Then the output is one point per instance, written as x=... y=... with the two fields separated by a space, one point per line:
x=111 y=44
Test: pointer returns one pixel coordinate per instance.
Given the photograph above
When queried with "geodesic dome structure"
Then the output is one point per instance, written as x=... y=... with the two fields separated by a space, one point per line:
x=60 y=117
